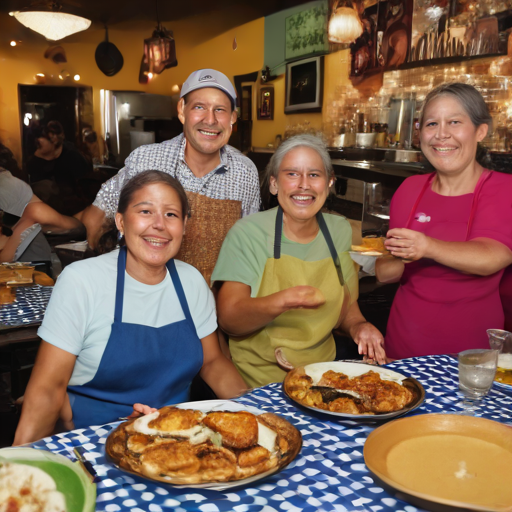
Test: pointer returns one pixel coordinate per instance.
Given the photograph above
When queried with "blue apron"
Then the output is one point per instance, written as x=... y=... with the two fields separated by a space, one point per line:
x=149 y=365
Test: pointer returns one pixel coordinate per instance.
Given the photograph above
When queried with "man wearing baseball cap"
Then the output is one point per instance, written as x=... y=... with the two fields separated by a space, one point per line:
x=222 y=185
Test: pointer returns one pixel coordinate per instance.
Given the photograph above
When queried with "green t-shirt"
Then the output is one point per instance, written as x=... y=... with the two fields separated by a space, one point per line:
x=250 y=242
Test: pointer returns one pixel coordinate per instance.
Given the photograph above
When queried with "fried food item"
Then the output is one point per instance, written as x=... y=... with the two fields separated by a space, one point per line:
x=346 y=406
x=173 y=459
x=252 y=456
x=333 y=379
x=172 y=419
x=390 y=396
x=371 y=244
x=288 y=437
x=137 y=443
x=374 y=395
x=217 y=463
x=216 y=447
x=238 y=429
x=299 y=383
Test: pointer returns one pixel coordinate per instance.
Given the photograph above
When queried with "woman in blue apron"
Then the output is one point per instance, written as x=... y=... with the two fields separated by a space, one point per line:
x=130 y=326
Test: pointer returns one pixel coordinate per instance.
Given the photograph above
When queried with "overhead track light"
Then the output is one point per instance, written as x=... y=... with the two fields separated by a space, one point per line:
x=47 y=18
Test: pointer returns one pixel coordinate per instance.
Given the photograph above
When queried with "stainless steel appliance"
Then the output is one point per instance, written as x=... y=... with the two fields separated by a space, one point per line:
x=131 y=119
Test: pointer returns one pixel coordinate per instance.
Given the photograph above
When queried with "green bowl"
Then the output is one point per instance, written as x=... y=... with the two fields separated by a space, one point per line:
x=70 y=478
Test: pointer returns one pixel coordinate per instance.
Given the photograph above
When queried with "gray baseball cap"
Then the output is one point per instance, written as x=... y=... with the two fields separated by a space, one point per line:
x=209 y=78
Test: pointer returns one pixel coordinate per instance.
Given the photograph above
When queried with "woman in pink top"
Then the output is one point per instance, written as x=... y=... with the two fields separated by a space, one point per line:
x=450 y=235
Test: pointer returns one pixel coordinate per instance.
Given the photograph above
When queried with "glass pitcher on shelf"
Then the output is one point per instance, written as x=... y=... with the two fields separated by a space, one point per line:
x=502 y=342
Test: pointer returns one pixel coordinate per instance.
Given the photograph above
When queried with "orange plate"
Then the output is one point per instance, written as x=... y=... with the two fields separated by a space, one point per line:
x=444 y=462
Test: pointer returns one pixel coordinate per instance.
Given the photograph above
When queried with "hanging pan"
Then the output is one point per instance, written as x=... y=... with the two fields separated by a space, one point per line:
x=108 y=57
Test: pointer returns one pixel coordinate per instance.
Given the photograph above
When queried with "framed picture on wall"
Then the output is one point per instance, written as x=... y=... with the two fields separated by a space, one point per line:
x=266 y=104
x=304 y=85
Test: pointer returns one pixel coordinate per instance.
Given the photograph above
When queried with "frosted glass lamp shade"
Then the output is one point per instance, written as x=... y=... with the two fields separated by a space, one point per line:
x=52 y=25
x=344 y=25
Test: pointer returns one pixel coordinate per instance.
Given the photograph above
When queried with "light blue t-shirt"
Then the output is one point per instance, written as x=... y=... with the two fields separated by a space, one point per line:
x=80 y=314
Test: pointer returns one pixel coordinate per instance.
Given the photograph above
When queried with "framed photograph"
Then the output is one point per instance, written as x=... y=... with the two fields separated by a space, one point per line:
x=266 y=104
x=304 y=85
x=306 y=32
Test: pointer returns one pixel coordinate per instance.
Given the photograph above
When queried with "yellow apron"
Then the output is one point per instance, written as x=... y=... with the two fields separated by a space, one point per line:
x=304 y=335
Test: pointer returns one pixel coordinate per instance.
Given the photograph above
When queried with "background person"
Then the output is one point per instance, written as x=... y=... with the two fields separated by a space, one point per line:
x=130 y=326
x=286 y=279
x=56 y=170
x=222 y=184
x=22 y=238
x=450 y=236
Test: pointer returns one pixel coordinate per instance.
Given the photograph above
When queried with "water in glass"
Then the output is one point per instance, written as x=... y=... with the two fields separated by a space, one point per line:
x=477 y=369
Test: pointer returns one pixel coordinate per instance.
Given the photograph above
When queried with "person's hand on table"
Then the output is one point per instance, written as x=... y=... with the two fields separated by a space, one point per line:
x=370 y=342
x=141 y=410
x=407 y=244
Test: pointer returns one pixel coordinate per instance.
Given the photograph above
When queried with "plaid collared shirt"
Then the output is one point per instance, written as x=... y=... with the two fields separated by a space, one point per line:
x=235 y=178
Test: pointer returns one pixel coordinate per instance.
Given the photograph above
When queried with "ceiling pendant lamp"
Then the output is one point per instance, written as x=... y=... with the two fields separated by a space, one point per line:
x=344 y=25
x=159 y=52
x=47 y=18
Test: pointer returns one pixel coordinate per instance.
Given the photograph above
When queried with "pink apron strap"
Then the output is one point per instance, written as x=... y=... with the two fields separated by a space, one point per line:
x=418 y=199
x=486 y=174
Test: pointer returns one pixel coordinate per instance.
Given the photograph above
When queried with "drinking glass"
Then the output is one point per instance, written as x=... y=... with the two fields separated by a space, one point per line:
x=502 y=342
x=477 y=368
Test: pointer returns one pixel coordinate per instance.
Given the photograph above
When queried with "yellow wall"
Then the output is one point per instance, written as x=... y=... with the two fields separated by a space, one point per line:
x=197 y=47
x=336 y=73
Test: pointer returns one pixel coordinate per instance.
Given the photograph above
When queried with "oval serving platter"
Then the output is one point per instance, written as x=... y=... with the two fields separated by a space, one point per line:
x=316 y=370
x=206 y=406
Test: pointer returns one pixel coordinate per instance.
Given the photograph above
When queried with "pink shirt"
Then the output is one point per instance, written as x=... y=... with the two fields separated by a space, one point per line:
x=437 y=309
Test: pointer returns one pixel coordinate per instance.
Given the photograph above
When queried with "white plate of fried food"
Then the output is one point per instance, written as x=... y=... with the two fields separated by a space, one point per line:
x=213 y=444
x=370 y=246
x=353 y=390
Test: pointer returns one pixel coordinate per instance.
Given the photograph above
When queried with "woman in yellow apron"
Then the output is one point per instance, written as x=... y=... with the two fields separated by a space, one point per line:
x=285 y=277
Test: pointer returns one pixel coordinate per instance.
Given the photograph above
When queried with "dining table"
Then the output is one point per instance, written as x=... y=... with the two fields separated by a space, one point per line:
x=329 y=473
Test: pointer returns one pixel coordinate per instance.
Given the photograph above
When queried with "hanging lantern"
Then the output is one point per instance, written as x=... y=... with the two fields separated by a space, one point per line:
x=345 y=25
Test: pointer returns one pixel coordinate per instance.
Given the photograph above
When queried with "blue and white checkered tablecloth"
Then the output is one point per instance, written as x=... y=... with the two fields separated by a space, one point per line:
x=329 y=474
x=28 y=307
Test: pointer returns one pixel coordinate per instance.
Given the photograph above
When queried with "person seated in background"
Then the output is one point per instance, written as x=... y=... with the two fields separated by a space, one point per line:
x=56 y=169
x=9 y=163
x=131 y=326
x=450 y=236
x=23 y=239
x=286 y=279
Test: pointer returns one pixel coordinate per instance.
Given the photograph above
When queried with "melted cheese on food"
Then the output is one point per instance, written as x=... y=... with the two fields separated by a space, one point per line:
x=267 y=437
x=200 y=433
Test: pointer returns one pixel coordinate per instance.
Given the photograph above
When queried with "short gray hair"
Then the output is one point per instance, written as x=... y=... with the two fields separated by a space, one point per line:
x=297 y=141
x=469 y=98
